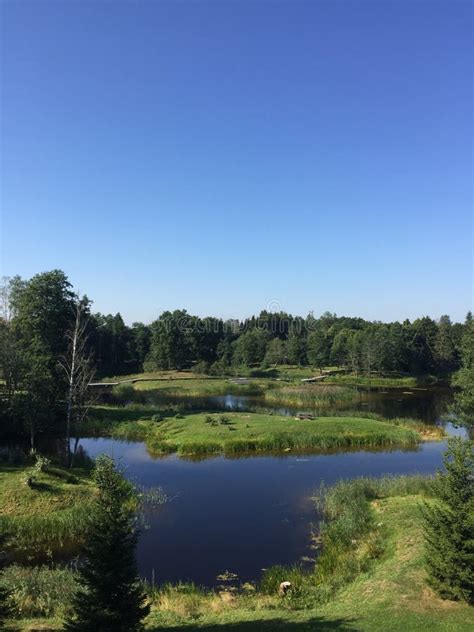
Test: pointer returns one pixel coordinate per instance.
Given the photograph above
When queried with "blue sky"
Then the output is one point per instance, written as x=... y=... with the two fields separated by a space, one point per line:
x=227 y=156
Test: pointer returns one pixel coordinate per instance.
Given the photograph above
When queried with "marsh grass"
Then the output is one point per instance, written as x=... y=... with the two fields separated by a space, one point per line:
x=37 y=536
x=389 y=381
x=39 y=591
x=350 y=538
x=310 y=395
x=50 y=516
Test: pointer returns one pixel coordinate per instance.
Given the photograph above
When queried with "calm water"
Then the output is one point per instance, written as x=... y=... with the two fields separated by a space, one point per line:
x=242 y=514
x=245 y=514
x=428 y=404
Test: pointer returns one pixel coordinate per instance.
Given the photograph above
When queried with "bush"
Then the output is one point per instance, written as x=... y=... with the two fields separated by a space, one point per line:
x=201 y=368
x=42 y=464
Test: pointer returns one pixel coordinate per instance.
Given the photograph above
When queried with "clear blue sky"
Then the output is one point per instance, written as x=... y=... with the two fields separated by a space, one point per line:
x=223 y=156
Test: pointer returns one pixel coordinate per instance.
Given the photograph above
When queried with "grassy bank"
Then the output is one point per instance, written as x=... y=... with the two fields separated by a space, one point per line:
x=370 y=577
x=50 y=515
x=203 y=433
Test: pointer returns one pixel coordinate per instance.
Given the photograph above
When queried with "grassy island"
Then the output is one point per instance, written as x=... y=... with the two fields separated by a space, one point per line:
x=202 y=433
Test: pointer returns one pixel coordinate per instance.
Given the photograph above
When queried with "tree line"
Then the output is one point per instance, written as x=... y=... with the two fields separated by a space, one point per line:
x=37 y=313
x=39 y=318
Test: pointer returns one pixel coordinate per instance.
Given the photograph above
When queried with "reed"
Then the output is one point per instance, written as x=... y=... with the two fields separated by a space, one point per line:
x=310 y=395
x=33 y=536
x=39 y=591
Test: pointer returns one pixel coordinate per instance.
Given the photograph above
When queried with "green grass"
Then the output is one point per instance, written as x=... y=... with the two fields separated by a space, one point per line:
x=374 y=380
x=310 y=395
x=372 y=577
x=203 y=433
x=51 y=515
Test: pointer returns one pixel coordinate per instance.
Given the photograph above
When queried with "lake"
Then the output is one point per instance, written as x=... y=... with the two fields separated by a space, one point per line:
x=245 y=514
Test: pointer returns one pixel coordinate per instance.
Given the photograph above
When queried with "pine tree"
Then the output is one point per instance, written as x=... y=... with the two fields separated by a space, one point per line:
x=449 y=525
x=109 y=598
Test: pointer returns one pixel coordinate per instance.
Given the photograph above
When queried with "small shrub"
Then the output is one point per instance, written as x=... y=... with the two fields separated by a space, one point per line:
x=42 y=463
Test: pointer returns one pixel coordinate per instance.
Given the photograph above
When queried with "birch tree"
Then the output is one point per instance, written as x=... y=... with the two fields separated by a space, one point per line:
x=10 y=357
x=78 y=367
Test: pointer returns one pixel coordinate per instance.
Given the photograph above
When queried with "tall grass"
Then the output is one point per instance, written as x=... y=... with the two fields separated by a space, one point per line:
x=33 y=535
x=280 y=441
x=310 y=395
x=39 y=591
x=350 y=539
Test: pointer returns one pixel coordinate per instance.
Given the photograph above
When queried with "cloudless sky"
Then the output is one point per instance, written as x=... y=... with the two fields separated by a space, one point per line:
x=228 y=156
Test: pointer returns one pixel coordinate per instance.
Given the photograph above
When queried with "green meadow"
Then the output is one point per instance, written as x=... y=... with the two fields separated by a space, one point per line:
x=234 y=432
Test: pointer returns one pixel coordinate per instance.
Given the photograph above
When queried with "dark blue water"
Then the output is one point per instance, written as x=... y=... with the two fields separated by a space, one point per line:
x=242 y=514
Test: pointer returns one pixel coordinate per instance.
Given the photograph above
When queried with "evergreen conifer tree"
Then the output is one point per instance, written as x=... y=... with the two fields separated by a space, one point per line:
x=449 y=525
x=109 y=598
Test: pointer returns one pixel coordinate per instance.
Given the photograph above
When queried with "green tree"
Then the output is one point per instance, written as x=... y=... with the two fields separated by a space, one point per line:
x=42 y=311
x=424 y=332
x=339 y=349
x=318 y=348
x=464 y=378
x=109 y=598
x=445 y=350
x=139 y=344
x=296 y=346
x=11 y=358
x=170 y=340
x=250 y=347
x=449 y=525
x=276 y=352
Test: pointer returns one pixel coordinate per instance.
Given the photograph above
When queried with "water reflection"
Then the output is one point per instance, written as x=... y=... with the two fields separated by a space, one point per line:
x=428 y=404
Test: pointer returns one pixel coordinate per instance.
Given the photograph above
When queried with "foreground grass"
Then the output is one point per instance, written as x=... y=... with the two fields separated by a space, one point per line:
x=50 y=516
x=394 y=595
x=370 y=577
x=203 y=433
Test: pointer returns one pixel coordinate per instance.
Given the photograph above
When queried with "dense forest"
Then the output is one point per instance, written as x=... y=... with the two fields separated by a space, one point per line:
x=39 y=316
